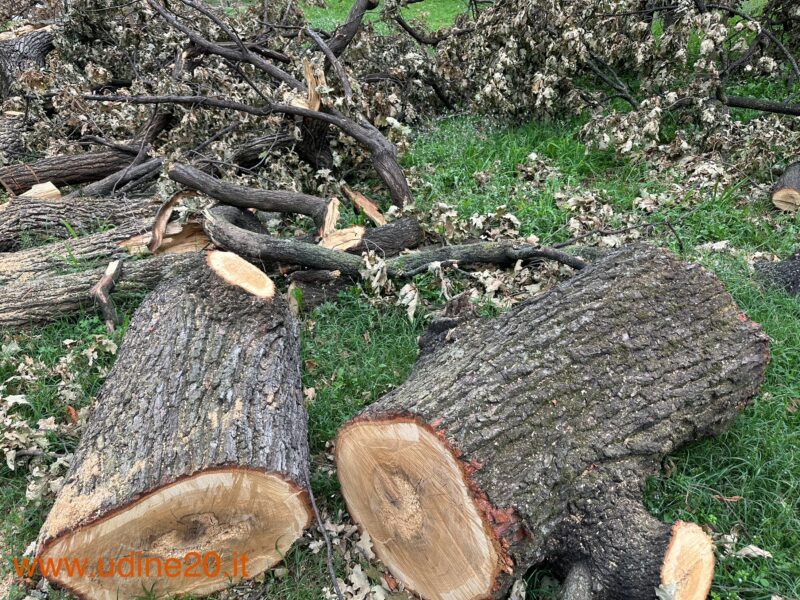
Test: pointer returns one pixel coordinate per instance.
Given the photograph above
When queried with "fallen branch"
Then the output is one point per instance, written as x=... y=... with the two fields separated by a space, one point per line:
x=101 y=294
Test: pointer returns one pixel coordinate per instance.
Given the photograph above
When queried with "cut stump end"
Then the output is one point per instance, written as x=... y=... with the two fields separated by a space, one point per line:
x=220 y=515
x=404 y=487
x=689 y=562
x=235 y=270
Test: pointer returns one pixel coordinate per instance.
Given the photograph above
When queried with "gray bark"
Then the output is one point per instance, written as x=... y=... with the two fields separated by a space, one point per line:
x=64 y=170
x=208 y=377
x=784 y=273
x=58 y=258
x=21 y=53
x=28 y=220
x=569 y=401
x=50 y=298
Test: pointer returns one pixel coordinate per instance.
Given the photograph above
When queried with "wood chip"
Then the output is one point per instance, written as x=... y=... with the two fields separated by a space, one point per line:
x=365 y=205
x=343 y=239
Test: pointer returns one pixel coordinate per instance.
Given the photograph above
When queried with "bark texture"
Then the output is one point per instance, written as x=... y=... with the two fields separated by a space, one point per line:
x=786 y=193
x=784 y=273
x=64 y=170
x=41 y=219
x=561 y=408
x=11 y=145
x=64 y=256
x=207 y=380
x=21 y=53
x=47 y=299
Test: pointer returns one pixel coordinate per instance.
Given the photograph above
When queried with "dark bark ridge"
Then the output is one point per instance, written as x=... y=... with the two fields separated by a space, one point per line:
x=560 y=409
x=194 y=396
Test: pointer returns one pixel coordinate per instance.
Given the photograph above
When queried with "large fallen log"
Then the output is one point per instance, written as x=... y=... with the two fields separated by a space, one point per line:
x=69 y=255
x=28 y=220
x=196 y=449
x=527 y=438
x=50 y=298
x=64 y=170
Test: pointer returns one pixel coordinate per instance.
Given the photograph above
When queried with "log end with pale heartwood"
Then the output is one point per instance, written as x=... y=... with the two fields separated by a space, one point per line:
x=197 y=442
x=786 y=192
x=526 y=439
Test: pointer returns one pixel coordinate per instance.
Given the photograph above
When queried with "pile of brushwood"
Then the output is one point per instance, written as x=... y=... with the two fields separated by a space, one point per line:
x=205 y=156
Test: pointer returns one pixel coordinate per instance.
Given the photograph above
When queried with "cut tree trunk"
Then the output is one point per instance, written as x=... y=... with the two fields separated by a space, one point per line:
x=527 y=438
x=786 y=193
x=53 y=297
x=41 y=219
x=67 y=255
x=197 y=443
x=64 y=170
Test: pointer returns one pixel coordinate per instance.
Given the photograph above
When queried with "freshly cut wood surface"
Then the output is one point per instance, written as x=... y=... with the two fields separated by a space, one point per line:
x=786 y=193
x=43 y=191
x=546 y=422
x=197 y=441
x=237 y=271
x=344 y=239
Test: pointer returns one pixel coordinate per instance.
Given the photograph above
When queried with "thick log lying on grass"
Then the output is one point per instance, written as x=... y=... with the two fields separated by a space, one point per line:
x=50 y=298
x=197 y=442
x=64 y=170
x=41 y=219
x=69 y=255
x=786 y=193
x=527 y=438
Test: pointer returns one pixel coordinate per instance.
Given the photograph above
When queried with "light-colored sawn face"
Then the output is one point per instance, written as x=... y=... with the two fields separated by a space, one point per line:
x=688 y=567
x=227 y=512
x=404 y=487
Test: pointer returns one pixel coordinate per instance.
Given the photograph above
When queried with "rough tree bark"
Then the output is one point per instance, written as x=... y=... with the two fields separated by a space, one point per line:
x=63 y=256
x=23 y=52
x=49 y=218
x=49 y=298
x=64 y=170
x=197 y=442
x=784 y=273
x=527 y=438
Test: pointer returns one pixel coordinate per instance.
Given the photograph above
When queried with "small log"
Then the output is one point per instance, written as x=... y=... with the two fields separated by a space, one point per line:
x=53 y=297
x=64 y=170
x=115 y=183
x=41 y=219
x=68 y=255
x=527 y=439
x=197 y=442
x=786 y=193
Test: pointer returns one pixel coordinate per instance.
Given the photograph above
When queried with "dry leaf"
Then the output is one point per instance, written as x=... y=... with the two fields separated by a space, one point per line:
x=752 y=551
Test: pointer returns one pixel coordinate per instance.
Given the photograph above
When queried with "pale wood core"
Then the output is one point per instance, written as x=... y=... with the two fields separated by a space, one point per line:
x=404 y=487
x=237 y=271
x=228 y=512
x=688 y=562
x=787 y=199
x=343 y=239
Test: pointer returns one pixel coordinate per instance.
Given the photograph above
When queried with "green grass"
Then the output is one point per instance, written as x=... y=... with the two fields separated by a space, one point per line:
x=436 y=13
x=353 y=352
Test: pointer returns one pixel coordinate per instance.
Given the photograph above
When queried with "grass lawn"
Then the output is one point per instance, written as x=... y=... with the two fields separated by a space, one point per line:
x=353 y=352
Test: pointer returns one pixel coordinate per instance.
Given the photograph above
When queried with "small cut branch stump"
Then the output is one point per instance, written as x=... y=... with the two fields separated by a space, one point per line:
x=526 y=439
x=197 y=442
